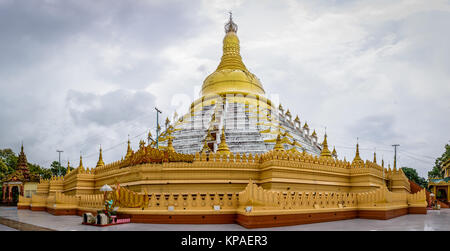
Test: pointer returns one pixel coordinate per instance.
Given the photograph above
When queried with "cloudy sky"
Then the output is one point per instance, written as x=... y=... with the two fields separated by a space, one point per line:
x=75 y=74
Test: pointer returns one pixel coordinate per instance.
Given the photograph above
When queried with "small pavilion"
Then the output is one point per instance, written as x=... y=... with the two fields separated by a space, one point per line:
x=20 y=182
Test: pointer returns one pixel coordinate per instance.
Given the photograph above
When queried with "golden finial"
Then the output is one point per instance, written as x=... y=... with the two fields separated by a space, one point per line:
x=223 y=147
x=231 y=26
x=297 y=119
x=325 y=151
x=314 y=134
x=278 y=145
x=100 y=162
x=68 y=167
x=280 y=107
x=306 y=126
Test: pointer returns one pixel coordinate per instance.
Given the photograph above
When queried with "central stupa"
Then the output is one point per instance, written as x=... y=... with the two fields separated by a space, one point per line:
x=233 y=114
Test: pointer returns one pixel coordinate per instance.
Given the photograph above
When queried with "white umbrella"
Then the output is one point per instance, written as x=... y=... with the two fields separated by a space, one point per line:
x=106 y=188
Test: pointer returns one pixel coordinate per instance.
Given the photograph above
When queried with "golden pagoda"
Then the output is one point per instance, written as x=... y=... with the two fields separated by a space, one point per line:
x=257 y=184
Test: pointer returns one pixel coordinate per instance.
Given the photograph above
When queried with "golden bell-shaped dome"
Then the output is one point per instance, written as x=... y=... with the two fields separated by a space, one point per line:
x=231 y=76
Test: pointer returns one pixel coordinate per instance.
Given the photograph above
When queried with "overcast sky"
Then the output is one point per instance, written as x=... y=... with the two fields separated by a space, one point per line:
x=76 y=74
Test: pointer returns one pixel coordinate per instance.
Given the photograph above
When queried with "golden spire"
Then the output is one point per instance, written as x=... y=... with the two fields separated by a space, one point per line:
x=231 y=76
x=68 y=167
x=375 y=157
x=382 y=162
x=278 y=145
x=129 y=150
x=231 y=58
x=81 y=163
x=334 y=153
x=325 y=151
x=223 y=147
x=280 y=107
x=314 y=134
x=297 y=119
x=357 y=159
x=100 y=162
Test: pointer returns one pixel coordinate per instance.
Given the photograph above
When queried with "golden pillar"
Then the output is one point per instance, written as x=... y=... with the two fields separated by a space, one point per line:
x=448 y=193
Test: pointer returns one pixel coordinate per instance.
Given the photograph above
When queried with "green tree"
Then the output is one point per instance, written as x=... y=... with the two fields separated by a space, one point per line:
x=57 y=169
x=9 y=158
x=412 y=175
x=46 y=173
x=437 y=171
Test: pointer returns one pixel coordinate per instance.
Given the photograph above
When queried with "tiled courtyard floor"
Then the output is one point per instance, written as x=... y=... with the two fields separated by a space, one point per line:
x=28 y=220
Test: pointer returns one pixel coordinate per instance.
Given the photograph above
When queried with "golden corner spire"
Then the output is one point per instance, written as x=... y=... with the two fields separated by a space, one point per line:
x=68 y=167
x=357 y=158
x=375 y=157
x=81 y=162
x=100 y=162
x=325 y=151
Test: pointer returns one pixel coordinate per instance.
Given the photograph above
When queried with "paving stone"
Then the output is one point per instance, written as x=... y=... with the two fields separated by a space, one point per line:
x=433 y=221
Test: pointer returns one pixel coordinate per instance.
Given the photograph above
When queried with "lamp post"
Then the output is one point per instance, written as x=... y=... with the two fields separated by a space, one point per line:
x=59 y=161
